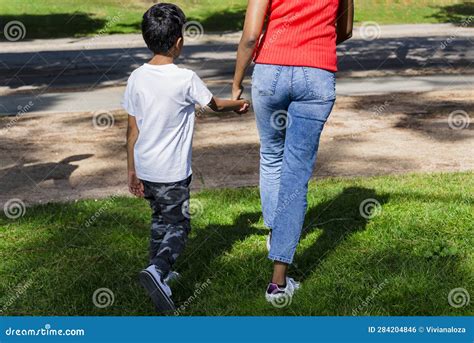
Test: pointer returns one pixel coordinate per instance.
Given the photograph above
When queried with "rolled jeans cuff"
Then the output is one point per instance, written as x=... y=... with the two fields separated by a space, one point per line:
x=280 y=259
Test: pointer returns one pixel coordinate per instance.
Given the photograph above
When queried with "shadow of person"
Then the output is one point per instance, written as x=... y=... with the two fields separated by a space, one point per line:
x=337 y=219
x=208 y=244
x=22 y=175
x=210 y=253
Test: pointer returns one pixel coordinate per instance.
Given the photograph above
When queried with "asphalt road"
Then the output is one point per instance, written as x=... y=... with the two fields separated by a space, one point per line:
x=70 y=75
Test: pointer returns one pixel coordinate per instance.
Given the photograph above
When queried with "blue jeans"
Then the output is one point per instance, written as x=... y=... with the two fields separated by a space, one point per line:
x=292 y=104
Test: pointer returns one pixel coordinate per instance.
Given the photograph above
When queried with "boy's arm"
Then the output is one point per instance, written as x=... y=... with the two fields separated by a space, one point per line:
x=222 y=105
x=135 y=186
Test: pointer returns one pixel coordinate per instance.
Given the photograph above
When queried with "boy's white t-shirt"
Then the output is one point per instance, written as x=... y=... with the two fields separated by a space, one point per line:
x=162 y=99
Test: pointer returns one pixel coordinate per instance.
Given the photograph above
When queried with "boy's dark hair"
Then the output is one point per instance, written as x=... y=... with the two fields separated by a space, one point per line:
x=162 y=25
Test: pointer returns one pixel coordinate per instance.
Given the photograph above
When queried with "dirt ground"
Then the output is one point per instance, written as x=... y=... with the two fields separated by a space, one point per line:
x=63 y=157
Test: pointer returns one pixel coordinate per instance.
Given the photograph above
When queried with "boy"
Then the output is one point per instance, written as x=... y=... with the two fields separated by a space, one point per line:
x=160 y=99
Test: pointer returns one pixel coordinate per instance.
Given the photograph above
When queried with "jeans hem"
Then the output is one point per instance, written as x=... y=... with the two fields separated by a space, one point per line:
x=280 y=259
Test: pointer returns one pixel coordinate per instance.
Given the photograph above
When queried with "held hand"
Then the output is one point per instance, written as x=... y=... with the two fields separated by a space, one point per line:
x=244 y=108
x=135 y=186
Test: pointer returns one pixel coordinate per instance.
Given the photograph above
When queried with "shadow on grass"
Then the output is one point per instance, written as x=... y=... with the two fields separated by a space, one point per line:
x=459 y=14
x=228 y=20
x=208 y=253
x=207 y=247
x=56 y=25
x=73 y=255
x=337 y=218
x=75 y=249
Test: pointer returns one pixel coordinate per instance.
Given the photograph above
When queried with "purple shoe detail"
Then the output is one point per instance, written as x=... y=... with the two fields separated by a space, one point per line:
x=274 y=289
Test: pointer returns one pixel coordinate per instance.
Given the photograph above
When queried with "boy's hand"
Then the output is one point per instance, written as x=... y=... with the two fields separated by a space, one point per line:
x=135 y=186
x=244 y=108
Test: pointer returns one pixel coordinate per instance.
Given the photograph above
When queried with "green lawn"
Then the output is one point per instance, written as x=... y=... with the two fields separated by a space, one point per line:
x=403 y=261
x=53 y=18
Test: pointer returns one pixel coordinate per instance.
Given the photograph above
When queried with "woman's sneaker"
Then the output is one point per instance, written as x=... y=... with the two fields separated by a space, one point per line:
x=157 y=289
x=281 y=296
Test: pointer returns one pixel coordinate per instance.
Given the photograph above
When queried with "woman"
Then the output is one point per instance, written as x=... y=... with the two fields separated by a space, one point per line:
x=293 y=92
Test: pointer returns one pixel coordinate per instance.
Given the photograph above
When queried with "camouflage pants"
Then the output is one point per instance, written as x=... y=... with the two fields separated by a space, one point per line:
x=170 y=223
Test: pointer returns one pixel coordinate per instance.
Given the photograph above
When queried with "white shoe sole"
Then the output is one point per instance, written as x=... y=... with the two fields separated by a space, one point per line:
x=162 y=301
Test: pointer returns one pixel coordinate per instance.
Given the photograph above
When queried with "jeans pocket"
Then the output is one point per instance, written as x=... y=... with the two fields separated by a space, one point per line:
x=320 y=84
x=265 y=79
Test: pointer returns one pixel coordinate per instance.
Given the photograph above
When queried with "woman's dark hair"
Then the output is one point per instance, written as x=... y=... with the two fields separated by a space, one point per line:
x=162 y=25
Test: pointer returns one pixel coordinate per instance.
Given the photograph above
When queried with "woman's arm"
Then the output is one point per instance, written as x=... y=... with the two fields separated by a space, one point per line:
x=254 y=21
x=345 y=20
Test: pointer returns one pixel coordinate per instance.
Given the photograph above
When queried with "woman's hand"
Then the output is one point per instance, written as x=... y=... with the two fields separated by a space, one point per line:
x=237 y=92
x=237 y=95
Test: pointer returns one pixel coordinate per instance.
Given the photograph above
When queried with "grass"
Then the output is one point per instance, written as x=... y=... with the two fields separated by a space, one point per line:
x=413 y=12
x=403 y=261
x=53 y=18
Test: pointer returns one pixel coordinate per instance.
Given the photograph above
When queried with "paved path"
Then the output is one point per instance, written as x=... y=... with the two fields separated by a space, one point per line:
x=50 y=72
x=108 y=98
x=136 y=41
x=82 y=66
